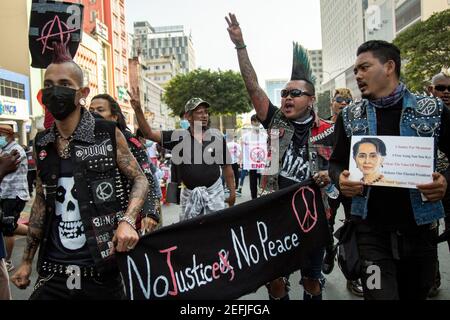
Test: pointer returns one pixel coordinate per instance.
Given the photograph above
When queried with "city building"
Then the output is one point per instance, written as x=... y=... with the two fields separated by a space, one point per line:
x=315 y=58
x=273 y=90
x=342 y=33
x=87 y=58
x=154 y=42
x=96 y=46
x=408 y=12
x=114 y=19
x=14 y=102
x=387 y=18
x=161 y=70
x=17 y=102
x=380 y=20
x=346 y=24
x=155 y=110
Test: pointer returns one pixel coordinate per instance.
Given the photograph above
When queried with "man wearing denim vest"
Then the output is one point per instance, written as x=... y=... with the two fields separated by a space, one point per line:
x=395 y=227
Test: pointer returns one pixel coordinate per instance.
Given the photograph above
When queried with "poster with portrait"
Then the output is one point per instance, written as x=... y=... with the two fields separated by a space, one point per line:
x=392 y=161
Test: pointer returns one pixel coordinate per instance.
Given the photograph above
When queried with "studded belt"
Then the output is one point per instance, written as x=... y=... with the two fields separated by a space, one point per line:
x=64 y=269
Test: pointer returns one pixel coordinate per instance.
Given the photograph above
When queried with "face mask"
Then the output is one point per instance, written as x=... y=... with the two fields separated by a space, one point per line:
x=184 y=124
x=60 y=101
x=3 y=142
x=148 y=144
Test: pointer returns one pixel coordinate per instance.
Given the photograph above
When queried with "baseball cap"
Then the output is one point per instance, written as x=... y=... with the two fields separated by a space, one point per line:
x=194 y=103
x=8 y=127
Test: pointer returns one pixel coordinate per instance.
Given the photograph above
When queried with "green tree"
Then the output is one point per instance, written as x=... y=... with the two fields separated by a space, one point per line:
x=224 y=90
x=323 y=104
x=425 y=49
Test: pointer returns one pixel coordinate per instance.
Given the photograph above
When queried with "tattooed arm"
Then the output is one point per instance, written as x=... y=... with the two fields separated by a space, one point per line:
x=126 y=237
x=259 y=98
x=35 y=233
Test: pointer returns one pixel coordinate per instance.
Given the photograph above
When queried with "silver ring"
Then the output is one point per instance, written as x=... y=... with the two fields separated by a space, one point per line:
x=130 y=247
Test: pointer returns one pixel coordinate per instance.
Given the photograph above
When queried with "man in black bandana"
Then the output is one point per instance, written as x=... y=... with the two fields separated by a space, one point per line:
x=301 y=134
x=395 y=227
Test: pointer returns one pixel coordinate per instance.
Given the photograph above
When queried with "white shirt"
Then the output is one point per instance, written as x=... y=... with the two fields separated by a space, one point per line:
x=235 y=151
x=15 y=184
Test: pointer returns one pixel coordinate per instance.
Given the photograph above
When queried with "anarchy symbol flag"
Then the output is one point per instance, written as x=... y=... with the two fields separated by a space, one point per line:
x=53 y=21
x=230 y=253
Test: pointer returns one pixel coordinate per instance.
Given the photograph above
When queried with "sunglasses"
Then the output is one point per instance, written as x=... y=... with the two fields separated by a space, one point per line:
x=442 y=88
x=294 y=93
x=341 y=100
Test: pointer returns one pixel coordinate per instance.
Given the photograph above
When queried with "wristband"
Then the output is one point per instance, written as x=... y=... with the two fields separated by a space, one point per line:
x=127 y=220
x=241 y=46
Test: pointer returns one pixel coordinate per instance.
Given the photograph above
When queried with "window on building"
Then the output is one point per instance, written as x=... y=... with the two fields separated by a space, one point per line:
x=156 y=67
x=407 y=13
x=93 y=1
x=93 y=15
x=12 y=89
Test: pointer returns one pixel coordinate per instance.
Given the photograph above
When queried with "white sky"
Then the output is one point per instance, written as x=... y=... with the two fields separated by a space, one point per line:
x=269 y=27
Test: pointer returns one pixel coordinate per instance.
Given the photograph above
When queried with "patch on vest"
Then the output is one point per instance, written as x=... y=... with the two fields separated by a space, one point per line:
x=427 y=107
x=425 y=129
x=356 y=111
x=103 y=226
x=103 y=191
x=103 y=149
x=42 y=155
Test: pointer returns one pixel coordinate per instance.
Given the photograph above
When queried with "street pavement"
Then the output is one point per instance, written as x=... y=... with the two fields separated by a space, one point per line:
x=335 y=287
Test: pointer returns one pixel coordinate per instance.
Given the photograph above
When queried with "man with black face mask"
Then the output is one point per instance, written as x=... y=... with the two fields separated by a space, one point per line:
x=77 y=218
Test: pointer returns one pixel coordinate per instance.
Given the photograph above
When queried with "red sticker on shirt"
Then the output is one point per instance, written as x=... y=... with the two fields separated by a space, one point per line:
x=43 y=155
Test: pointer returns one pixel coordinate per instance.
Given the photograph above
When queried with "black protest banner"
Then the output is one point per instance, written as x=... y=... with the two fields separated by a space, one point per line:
x=230 y=253
x=53 y=21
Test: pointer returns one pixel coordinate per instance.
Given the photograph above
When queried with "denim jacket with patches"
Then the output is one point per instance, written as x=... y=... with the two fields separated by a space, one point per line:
x=420 y=117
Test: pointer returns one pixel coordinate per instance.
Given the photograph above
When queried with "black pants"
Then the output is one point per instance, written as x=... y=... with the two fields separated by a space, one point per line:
x=12 y=208
x=334 y=206
x=31 y=177
x=54 y=287
x=255 y=179
x=446 y=203
x=407 y=263
x=447 y=227
x=235 y=168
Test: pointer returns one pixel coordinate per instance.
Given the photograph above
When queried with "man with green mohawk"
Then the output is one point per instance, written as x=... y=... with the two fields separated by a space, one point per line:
x=305 y=144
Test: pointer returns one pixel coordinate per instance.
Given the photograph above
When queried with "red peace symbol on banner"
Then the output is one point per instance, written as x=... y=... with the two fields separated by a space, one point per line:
x=63 y=34
x=257 y=154
x=309 y=220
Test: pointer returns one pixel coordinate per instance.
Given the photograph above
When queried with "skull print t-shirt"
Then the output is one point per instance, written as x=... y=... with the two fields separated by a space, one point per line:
x=67 y=243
